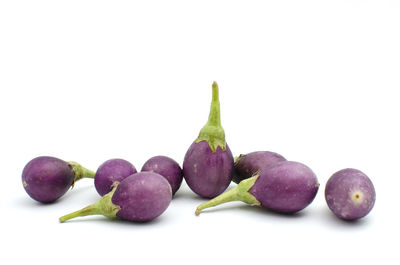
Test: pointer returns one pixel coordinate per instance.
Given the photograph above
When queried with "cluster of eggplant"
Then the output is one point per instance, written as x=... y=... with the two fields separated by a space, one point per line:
x=264 y=179
x=126 y=193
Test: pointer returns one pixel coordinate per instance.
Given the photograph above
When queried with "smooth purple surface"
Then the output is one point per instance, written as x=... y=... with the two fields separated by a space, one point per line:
x=350 y=194
x=142 y=196
x=208 y=174
x=166 y=167
x=46 y=178
x=286 y=187
x=110 y=171
x=246 y=165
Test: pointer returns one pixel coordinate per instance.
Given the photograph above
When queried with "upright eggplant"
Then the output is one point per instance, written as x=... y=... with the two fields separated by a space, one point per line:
x=208 y=163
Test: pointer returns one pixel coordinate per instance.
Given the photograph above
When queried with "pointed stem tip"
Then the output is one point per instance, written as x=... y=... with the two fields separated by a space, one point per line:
x=104 y=206
x=88 y=210
x=215 y=92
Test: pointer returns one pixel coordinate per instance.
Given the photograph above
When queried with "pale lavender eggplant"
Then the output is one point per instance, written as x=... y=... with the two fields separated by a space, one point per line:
x=208 y=163
x=247 y=165
x=166 y=167
x=46 y=178
x=110 y=171
x=140 y=197
x=350 y=194
x=285 y=187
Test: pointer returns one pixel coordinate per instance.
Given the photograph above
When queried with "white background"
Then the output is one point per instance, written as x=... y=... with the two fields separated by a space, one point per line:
x=316 y=81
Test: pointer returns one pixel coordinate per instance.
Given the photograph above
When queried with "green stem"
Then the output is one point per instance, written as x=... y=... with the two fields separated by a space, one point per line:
x=80 y=171
x=237 y=158
x=102 y=207
x=92 y=209
x=238 y=193
x=213 y=132
x=214 y=118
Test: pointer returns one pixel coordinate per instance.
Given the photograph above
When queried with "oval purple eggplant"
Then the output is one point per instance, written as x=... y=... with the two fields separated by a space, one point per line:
x=140 y=197
x=247 y=165
x=110 y=171
x=285 y=187
x=350 y=194
x=208 y=163
x=46 y=178
x=208 y=173
x=166 y=167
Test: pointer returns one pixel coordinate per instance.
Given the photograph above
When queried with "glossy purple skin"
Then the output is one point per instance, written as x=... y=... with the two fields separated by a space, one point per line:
x=285 y=187
x=350 y=194
x=246 y=165
x=110 y=171
x=208 y=174
x=142 y=196
x=166 y=167
x=46 y=178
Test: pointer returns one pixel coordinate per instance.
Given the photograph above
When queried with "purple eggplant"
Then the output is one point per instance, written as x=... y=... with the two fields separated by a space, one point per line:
x=46 y=178
x=208 y=163
x=166 y=167
x=246 y=166
x=140 y=197
x=285 y=187
x=110 y=171
x=350 y=194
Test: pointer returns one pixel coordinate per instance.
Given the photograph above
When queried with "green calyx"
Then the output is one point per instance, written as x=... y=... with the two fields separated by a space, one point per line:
x=80 y=172
x=238 y=193
x=213 y=132
x=236 y=159
x=102 y=207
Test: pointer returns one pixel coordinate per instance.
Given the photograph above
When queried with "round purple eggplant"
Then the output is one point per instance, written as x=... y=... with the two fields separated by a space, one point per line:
x=285 y=187
x=46 y=178
x=208 y=163
x=246 y=166
x=350 y=194
x=166 y=167
x=110 y=171
x=140 y=197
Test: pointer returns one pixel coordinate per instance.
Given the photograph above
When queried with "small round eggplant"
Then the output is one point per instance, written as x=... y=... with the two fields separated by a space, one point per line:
x=111 y=171
x=350 y=194
x=246 y=166
x=285 y=187
x=46 y=178
x=166 y=167
x=140 y=197
x=208 y=163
